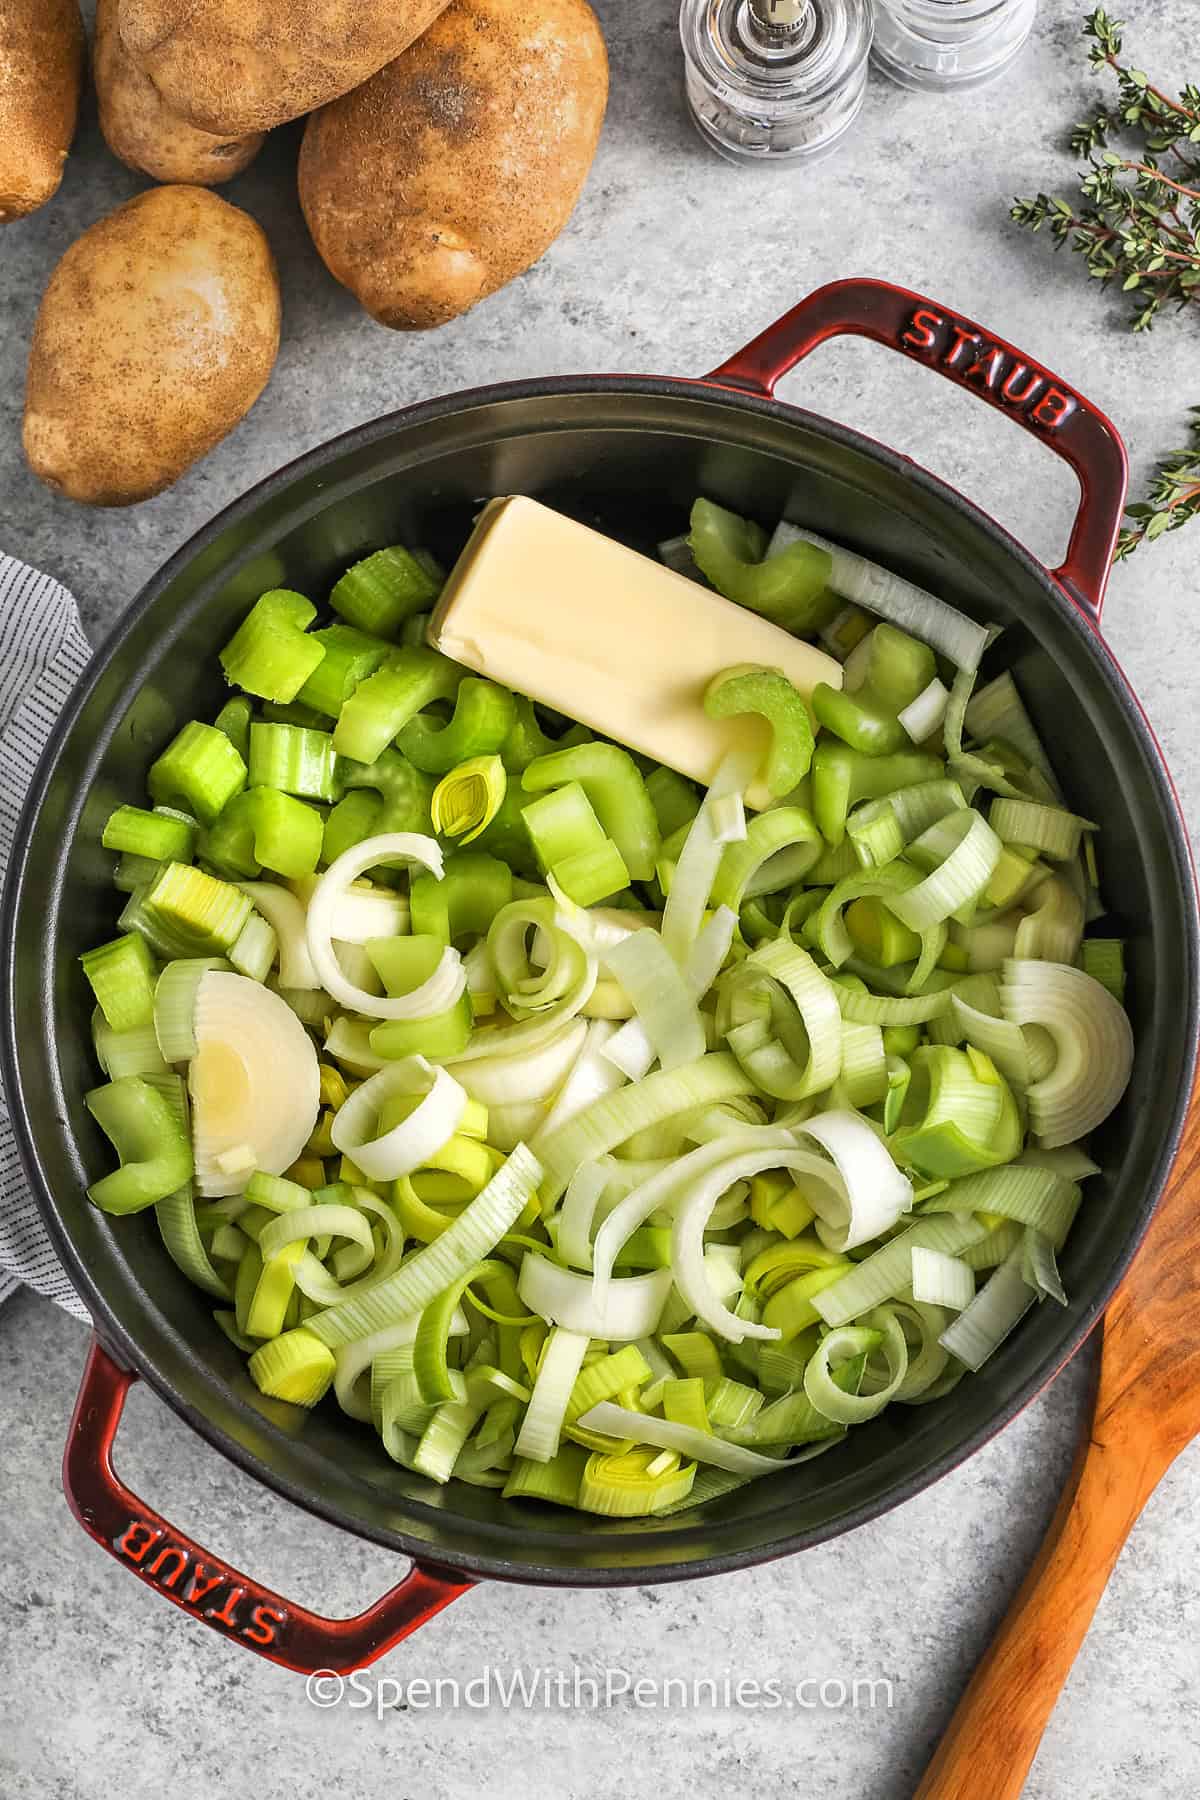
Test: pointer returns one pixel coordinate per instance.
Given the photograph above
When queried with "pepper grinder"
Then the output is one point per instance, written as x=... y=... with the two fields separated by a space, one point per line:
x=948 y=44
x=771 y=81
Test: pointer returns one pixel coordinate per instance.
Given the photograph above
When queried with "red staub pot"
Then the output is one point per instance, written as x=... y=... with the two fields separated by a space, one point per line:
x=630 y=454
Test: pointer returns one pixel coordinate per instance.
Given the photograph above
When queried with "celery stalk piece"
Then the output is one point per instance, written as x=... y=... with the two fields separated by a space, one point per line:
x=768 y=693
x=200 y=771
x=526 y=740
x=162 y=836
x=350 y=656
x=675 y=799
x=589 y=876
x=265 y=828
x=233 y=721
x=789 y=588
x=379 y=593
x=860 y=720
x=610 y=779
x=562 y=823
x=474 y=887
x=1104 y=960
x=121 y=975
x=439 y=1037
x=150 y=1140
x=294 y=759
x=571 y=845
x=484 y=714
x=405 y=796
x=354 y=818
x=384 y=703
x=507 y=837
x=842 y=776
x=132 y=1052
x=270 y=653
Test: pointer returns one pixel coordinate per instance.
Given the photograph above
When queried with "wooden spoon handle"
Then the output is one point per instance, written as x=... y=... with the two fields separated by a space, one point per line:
x=994 y=1735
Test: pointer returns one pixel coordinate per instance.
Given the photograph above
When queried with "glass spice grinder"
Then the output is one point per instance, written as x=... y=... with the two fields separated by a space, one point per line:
x=771 y=81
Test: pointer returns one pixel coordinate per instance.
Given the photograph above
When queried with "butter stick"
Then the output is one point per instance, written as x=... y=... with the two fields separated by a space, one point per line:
x=608 y=636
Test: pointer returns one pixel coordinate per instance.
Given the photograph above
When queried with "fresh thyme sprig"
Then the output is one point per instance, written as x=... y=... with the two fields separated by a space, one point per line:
x=1138 y=222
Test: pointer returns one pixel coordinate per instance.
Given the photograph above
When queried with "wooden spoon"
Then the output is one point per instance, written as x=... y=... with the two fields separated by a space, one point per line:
x=1147 y=1410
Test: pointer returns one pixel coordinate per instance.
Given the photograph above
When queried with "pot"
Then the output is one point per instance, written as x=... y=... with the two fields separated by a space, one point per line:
x=629 y=454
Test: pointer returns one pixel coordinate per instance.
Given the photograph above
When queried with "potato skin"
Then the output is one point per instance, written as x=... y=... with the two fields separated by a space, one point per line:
x=41 y=73
x=141 y=130
x=456 y=167
x=236 y=66
x=156 y=334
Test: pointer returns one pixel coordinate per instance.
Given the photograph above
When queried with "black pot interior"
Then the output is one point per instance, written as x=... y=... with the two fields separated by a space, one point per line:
x=630 y=457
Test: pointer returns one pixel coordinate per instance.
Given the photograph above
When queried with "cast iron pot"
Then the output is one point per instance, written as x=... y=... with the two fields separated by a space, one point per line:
x=629 y=453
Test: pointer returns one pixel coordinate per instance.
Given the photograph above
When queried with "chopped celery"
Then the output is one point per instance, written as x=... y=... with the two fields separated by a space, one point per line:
x=296 y=760
x=790 y=587
x=405 y=794
x=150 y=1140
x=163 y=836
x=483 y=717
x=473 y=888
x=382 y=704
x=610 y=779
x=233 y=721
x=349 y=657
x=771 y=695
x=199 y=770
x=383 y=590
x=270 y=654
x=263 y=828
x=121 y=975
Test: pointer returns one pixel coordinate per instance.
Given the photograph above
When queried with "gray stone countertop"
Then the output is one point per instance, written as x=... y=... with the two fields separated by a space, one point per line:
x=671 y=260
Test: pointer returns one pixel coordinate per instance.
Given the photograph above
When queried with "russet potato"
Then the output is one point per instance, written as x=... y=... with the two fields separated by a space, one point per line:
x=140 y=128
x=236 y=66
x=156 y=334
x=457 y=165
x=41 y=71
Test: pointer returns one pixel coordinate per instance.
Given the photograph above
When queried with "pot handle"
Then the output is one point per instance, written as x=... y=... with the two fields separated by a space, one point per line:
x=975 y=359
x=201 y=1584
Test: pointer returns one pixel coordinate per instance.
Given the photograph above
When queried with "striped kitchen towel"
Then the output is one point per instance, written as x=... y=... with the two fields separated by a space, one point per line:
x=43 y=652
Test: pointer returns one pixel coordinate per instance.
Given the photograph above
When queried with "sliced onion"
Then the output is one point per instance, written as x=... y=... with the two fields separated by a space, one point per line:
x=879 y=1329
x=408 y=1145
x=254 y=1081
x=996 y=1309
x=867 y=1193
x=678 y=1177
x=700 y=857
x=285 y=914
x=577 y=1213
x=1093 y=1038
x=592 y=1075
x=923 y=716
x=448 y=981
x=687 y=1440
x=630 y=1309
x=541 y=1427
x=522 y=1076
